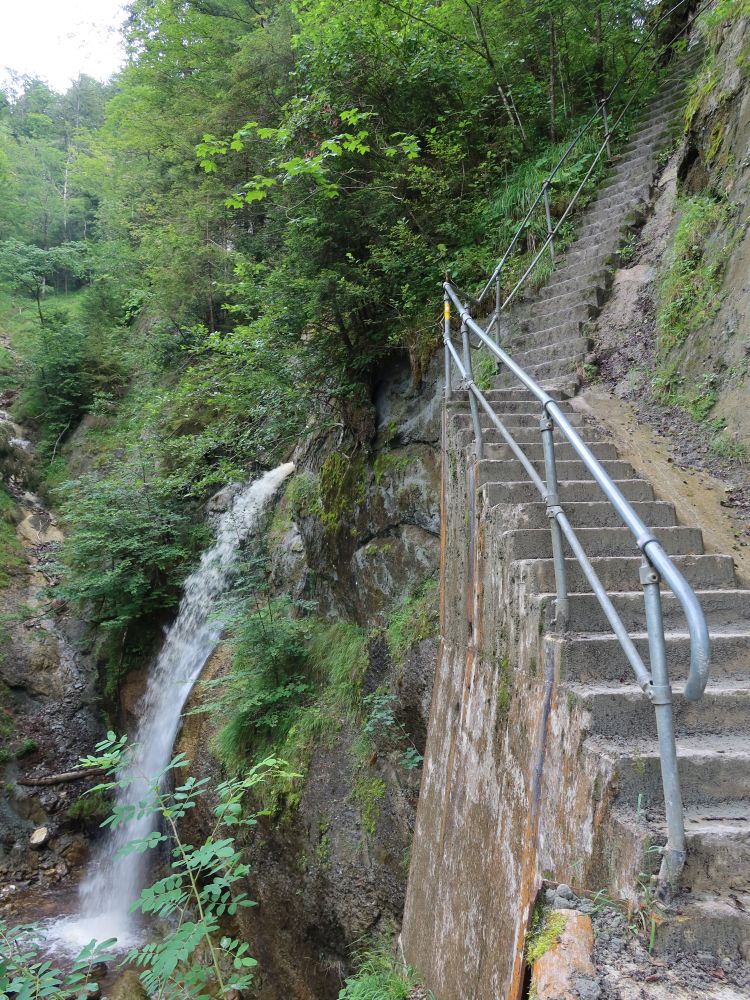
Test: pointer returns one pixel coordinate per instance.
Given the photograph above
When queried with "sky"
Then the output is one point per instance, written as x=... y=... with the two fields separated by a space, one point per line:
x=56 y=40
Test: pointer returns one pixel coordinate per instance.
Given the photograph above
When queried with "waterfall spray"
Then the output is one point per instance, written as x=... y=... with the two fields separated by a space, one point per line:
x=112 y=884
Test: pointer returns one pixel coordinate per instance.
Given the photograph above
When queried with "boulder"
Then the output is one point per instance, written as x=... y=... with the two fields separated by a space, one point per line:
x=39 y=838
x=128 y=986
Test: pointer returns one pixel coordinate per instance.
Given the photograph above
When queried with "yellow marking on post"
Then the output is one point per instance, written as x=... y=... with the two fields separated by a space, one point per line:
x=447 y=311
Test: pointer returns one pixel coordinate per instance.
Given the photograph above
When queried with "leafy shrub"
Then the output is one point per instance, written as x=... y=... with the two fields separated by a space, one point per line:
x=127 y=551
x=11 y=550
x=417 y=618
x=291 y=680
x=690 y=286
x=379 y=976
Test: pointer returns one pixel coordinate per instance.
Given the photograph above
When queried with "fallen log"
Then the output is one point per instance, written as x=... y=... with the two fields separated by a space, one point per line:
x=65 y=776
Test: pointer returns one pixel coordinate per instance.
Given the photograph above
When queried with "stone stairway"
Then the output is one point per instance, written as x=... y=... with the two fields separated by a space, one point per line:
x=548 y=331
x=712 y=912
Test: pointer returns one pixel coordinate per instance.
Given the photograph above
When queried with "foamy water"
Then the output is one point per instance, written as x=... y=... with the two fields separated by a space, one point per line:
x=112 y=884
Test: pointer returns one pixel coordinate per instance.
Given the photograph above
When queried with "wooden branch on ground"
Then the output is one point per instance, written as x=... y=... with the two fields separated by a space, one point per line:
x=65 y=776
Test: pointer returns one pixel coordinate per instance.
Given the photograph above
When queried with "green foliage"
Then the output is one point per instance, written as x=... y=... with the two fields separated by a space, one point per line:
x=368 y=792
x=125 y=554
x=267 y=684
x=204 y=883
x=416 y=619
x=11 y=550
x=546 y=928
x=379 y=976
x=342 y=489
x=726 y=446
x=503 y=689
x=294 y=679
x=303 y=495
x=202 y=888
x=668 y=385
x=690 y=286
x=485 y=369
x=25 y=973
x=90 y=809
x=384 y=731
x=59 y=389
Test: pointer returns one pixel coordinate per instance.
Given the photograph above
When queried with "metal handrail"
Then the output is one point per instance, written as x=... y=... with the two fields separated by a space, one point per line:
x=656 y=566
x=644 y=537
x=609 y=129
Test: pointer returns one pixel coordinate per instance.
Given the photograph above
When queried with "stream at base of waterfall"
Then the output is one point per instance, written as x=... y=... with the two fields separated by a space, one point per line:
x=113 y=882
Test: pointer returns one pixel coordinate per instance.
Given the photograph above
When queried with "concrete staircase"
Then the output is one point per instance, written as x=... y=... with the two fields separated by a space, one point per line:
x=712 y=914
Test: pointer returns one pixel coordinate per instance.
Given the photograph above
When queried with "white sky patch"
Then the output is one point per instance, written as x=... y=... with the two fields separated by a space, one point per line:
x=56 y=40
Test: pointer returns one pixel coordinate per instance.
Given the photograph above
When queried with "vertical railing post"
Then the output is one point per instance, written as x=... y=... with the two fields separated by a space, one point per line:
x=673 y=858
x=472 y=401
x=603 y=106
x=498 y=304
x=446 y=338
x=553 y=507
x=545 y=188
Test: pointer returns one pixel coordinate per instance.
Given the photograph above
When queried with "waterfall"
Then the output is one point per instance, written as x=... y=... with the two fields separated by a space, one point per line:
x=112 y=884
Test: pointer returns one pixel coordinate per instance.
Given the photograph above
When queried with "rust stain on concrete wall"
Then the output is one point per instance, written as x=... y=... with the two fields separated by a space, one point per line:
x=507 y=793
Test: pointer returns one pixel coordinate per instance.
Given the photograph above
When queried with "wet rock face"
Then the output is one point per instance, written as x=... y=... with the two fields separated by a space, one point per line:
x=360 y=524
x=335 y=872
x=48 y=703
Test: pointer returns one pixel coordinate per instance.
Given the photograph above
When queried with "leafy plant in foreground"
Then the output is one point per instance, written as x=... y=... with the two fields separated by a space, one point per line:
x=26 y=975
x=195 y=958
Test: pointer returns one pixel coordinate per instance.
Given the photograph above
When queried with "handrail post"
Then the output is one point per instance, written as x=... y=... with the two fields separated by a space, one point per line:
x=498 y=304
x=472 y=401
x=446 y=338
x=553 y=508
x=673 y=857
x=603 y=106
x=550 y=231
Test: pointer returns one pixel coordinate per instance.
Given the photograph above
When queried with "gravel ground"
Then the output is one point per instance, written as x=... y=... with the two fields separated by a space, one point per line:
x=626 y=970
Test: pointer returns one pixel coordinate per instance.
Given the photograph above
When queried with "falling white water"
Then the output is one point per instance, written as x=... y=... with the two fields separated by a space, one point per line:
x=112 y=884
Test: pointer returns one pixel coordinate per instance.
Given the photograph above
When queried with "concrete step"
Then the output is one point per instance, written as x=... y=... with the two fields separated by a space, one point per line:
x=489 y=471
x=712 y=768
x=460 y=418
x=601 y=240
x=509 y=395
x=618 y=709
x=709 y=924
x=649 y=135
x=607 y=203
x=593 y=514
x=598 y=658
x=589 y=249
x=573 y=348
x=611 y=218
x=717 y=838
x=723 y=608
x=536 y=336
x=621 y=573
x=531 y=435
x=634 y=490
x=564 y=452
x=548 y=370
x=625 y=164
x=504 y=406
x=717 y=848
x=641 y=175
x=586 y=277
x=535 y=543
x=587 y=296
